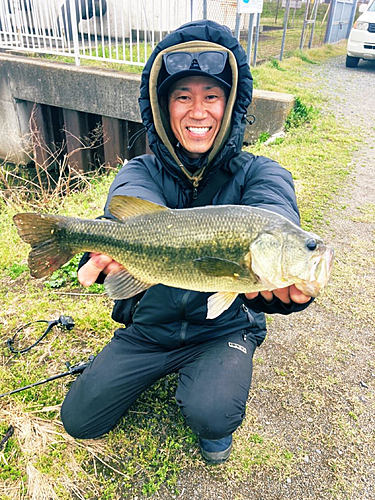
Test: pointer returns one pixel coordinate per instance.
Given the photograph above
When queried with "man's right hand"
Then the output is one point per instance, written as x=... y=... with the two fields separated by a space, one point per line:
x=98 y=263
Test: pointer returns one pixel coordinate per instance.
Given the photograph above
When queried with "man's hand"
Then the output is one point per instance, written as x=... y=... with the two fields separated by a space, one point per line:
x=286 y=295
x=98 y=263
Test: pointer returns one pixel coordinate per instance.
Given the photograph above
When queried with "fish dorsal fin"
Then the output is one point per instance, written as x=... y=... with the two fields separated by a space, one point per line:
x=122 y=285
x=123 y=207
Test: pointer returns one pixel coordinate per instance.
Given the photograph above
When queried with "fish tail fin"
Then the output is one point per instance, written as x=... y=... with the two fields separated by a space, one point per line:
x=48 y=252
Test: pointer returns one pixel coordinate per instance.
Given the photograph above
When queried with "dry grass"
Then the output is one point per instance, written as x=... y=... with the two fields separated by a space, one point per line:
x=51 y=179
x=37 y=438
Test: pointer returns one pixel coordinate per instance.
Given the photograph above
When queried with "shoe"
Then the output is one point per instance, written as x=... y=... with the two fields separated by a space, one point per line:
x=216 y=451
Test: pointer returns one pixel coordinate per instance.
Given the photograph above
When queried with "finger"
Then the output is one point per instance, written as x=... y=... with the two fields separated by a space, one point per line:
x=100 y=260
x=88 y=273
x=297 y=296
x=268 y=296
x=112 y=267
x=251 y=296
x=283 y=295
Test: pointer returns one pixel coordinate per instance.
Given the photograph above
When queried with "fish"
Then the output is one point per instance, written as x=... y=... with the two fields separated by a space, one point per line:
x=223 y=249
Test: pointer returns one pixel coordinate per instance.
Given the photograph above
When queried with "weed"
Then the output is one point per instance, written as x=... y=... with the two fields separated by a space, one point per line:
x=300 y=114
x=263 y=454
x=50 y=180
x=255 y=438
x=9 y=469
x=288 y=455
x=16 y=269
x=275 y=64
x=278 y=141
x=353 y=415
x=67 y=276
x=302 y=55
x=263 y=136
x=280 y=373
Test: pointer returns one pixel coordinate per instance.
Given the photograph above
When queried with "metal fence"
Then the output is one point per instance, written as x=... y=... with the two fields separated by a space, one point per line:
x=122 y=31
x=126 y=31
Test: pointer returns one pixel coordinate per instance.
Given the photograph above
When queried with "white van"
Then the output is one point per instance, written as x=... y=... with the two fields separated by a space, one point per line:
x=361 y=43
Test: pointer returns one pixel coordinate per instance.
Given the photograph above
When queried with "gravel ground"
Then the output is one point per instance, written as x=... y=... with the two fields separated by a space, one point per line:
x=314 y=377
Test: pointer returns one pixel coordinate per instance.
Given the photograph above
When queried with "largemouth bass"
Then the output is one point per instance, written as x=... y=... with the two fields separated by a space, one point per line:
x=227 y=249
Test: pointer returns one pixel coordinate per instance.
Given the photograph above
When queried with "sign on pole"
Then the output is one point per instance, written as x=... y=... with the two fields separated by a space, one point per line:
x=249 y=6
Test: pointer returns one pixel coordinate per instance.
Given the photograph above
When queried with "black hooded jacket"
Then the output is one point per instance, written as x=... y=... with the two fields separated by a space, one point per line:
x=172 y=316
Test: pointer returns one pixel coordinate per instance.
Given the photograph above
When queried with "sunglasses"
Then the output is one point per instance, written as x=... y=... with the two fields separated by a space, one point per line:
x=210 y=61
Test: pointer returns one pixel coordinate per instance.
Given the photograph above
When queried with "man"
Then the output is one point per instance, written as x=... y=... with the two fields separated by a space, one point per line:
x=195 y=91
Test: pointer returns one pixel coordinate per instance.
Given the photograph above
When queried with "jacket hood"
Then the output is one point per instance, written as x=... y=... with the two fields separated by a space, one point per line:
x=195 y=37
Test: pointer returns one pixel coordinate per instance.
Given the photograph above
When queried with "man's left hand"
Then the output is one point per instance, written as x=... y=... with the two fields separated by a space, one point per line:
x=286 y=295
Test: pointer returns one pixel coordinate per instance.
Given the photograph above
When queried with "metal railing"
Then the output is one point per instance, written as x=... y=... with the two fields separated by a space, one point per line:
x=126 y=31
x=121 y=31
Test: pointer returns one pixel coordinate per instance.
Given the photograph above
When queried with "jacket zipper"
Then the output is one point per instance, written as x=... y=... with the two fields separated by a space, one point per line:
x=184 y=323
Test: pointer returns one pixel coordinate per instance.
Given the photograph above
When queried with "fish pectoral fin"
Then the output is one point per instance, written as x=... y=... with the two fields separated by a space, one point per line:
x=213 y=266
x=123 y=207
x=122 y=285
x=219 y=302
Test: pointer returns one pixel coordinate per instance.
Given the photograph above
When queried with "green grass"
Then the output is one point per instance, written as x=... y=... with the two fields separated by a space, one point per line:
x=317 y=172
x=152 y=445
x=108 y=57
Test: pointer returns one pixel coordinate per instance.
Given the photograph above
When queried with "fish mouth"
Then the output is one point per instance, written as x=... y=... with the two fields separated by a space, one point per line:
x=320 y=272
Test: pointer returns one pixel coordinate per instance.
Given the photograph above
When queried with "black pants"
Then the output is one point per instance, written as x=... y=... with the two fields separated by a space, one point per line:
x=214 y=382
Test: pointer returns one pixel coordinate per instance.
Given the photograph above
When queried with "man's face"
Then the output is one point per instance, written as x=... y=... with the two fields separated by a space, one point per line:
x=196 y=108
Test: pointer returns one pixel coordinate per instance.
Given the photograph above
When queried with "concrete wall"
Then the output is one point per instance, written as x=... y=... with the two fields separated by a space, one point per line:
x=110 y=94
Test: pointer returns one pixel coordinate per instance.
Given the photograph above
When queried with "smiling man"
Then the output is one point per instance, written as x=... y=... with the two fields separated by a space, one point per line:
x=196 y=106
x=195 y=91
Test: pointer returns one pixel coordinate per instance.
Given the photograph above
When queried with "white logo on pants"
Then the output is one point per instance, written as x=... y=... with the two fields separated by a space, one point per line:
x=237 y=346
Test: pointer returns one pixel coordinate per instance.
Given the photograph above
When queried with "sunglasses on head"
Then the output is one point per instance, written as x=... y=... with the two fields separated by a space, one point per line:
x=210 y=61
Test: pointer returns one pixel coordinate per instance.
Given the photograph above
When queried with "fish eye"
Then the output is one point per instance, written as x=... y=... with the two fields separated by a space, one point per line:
x=311 y=244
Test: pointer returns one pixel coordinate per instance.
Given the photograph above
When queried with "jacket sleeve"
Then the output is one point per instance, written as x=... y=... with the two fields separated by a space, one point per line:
x=136 y=179
x=270 y=186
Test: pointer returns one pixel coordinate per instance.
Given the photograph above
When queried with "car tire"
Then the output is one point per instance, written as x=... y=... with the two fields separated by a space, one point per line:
x=352 y=62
